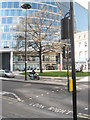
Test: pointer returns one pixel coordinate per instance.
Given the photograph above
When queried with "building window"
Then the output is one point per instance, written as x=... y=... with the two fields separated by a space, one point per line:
x=85 y=44
x=86 y=54
x=16 y=4
x=3 y=36
x=3 y=20
x=10 y=4
x=84 y=36
x=79 y=44
x=4 y=4
x=6 y=28
x=80 y=54
x=9 y=20
x=79 y=37
x=6 y=12
x=34 y=6
x=1 y=13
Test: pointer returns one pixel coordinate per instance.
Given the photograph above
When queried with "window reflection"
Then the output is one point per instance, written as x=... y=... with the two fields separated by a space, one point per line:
x=6 y=28
x=3 y=36
x=4 y=4
x=3 y=20
x=10 y=4
x=9 y=20
x=16 y=4
x=6 y=12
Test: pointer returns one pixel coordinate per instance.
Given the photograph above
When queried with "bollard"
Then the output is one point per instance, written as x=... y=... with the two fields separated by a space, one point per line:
x=70 y=85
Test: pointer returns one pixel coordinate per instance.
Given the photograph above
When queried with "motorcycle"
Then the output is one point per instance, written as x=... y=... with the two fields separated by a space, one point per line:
x=34 y=76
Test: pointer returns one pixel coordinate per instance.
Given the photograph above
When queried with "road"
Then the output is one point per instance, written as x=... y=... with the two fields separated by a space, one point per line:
x=26 y=100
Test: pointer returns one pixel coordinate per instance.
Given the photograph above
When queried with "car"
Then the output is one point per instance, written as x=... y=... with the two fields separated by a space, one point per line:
x=9 y=74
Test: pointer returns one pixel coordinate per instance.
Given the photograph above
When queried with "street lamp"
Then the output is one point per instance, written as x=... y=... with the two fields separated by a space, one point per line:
x=26 y=6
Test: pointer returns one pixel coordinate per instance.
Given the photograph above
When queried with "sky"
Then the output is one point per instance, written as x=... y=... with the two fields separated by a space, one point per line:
x=84 y=3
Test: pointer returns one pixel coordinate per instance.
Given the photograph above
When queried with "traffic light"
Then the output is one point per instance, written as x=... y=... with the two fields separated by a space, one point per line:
x=64 y=52
x=65 y=28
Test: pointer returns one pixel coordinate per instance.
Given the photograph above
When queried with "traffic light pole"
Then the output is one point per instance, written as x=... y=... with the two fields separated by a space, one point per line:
x=73 y=60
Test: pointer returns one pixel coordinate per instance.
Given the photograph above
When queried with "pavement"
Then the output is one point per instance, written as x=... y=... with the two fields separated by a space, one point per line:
x=45 y=80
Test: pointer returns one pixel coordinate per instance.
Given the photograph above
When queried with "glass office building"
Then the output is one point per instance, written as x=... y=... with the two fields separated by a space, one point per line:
x=10 y=15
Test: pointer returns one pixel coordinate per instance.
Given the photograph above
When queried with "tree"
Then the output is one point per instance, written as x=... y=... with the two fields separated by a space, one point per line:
x=43 y=33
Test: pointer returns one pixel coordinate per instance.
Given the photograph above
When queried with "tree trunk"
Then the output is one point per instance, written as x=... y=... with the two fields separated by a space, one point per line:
x=40 y=58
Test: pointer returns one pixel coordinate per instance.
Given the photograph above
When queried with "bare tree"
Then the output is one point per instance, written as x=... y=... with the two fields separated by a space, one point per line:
x=43 y=33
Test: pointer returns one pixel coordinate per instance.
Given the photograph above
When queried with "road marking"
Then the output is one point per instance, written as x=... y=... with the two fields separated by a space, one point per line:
x=30 y=98
x=41 y=94
x=10 y=102
x=69 y=112
x=85 y=114
x=81 y=115
x=3 y=93
x=31 y=104
x=86 y=108
x=52 y=91
x=47 y=93
x=57 y=90
x=63 y=111
x=37 y=96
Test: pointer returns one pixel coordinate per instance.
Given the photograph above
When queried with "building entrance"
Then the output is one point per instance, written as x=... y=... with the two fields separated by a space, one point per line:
x=6 y=61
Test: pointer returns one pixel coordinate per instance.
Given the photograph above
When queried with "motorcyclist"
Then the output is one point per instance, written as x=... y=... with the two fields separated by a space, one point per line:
x=34 y=73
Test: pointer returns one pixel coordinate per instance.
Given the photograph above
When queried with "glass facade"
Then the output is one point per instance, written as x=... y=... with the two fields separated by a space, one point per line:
x=11 y=13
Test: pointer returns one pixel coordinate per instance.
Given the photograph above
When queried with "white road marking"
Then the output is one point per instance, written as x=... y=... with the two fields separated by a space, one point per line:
x=86 y=108
x=10 y=102
x=52 y=91
x=63 y=111
x=85 y=114
x=31 y=104
x=80 y=113
x=3 y=93
x=37 y=96
x=57 y=90
x=47 y=93
x=69 y=112
x=30 y=98
x=41 y=94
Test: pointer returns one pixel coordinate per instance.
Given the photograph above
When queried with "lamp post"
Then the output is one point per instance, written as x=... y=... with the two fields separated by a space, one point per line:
x=26 y=6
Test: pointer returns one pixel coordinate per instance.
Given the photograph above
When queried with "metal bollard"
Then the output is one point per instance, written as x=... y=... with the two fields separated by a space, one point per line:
x=70 y=85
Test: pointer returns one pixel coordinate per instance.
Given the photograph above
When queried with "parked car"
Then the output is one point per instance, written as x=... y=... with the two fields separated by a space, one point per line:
x=9 y=74
x=6 y=73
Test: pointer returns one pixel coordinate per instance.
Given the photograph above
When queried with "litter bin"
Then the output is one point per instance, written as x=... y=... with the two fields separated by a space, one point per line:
x=70 y=85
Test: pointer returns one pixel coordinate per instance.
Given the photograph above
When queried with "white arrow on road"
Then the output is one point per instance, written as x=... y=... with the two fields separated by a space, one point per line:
x=10 y=93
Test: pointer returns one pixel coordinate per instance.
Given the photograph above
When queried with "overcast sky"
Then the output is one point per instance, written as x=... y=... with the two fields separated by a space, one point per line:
x=84 y=3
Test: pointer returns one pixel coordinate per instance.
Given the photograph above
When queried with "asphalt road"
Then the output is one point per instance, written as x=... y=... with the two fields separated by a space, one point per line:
x=26 y=100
